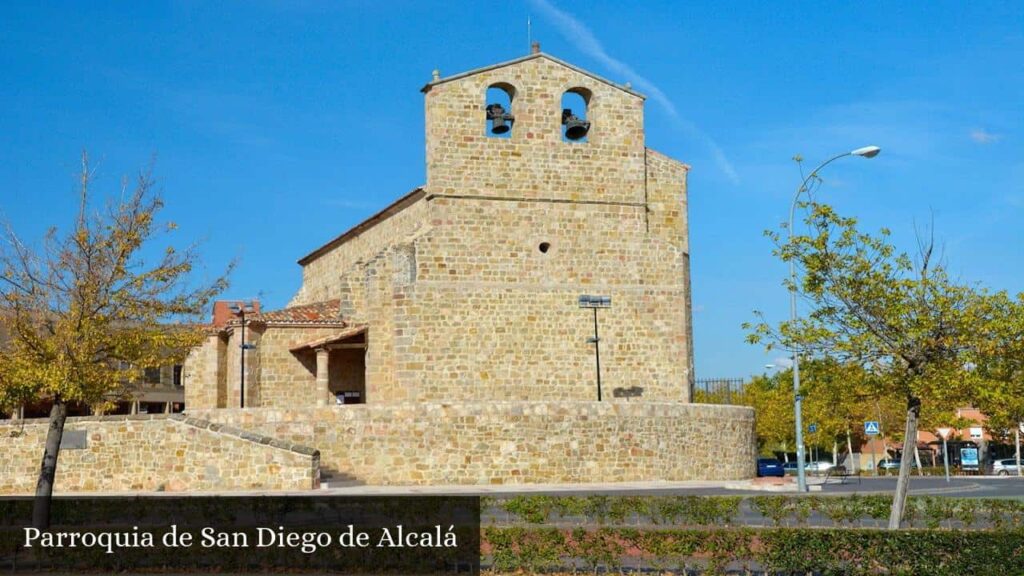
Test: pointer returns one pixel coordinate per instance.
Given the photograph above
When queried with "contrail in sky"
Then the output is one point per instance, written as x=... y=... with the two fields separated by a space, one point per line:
x=585 y=41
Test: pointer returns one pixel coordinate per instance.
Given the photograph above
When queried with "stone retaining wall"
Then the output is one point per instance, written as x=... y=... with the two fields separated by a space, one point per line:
x=516 y=442
x=149 y=452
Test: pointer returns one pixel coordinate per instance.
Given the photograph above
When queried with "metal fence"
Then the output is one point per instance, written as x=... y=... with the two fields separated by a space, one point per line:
x=718 y=390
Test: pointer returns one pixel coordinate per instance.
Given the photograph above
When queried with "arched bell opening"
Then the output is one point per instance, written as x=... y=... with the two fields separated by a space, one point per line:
x=498 y=117
x=575 y=119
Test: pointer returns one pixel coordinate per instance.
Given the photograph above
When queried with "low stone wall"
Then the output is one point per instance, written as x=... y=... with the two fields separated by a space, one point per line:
x=516 y=442
x=148 y=452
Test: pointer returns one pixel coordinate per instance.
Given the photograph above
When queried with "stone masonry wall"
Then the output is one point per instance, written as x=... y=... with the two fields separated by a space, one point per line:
x=667 y=201
x=515 y=343
x=285 y=379
x=199 y=374
x=491 y=315
x=274 y=375
x=472 y=309
x=535 y=162
x=150 y=453
x=517 y=442
x=321 y=278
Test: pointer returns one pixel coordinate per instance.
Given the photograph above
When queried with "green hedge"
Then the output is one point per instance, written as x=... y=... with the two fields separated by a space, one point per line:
x=670 y=510
x=748 y=550
x=777 y=510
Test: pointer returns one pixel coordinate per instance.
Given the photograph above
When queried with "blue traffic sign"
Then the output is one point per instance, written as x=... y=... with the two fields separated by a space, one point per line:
x=871 y=427
x=812 y=428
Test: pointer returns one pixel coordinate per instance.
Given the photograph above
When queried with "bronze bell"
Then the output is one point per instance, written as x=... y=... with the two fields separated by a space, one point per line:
x=575 y=128
x=500 y=120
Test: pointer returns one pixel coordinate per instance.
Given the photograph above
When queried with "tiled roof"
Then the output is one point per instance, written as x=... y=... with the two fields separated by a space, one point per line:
x=327 y=313
x=349 y=332
x=388 y=211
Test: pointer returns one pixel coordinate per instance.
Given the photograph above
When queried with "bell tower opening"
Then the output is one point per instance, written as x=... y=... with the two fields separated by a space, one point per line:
x=498 y=117
x=575 y=122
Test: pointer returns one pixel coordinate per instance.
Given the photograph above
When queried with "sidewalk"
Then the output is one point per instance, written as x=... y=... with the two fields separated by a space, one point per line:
x=975 y=486
x=502 y=489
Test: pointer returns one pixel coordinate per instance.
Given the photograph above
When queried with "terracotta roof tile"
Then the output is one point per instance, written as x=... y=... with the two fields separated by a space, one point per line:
x=327 y=313
x=349 y=332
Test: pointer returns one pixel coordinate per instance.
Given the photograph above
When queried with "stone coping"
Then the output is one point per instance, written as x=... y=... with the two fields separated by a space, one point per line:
x=535 y=406
x=182 y=419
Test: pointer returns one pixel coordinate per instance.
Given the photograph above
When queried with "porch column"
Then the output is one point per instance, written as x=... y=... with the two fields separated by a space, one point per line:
x=322 y=378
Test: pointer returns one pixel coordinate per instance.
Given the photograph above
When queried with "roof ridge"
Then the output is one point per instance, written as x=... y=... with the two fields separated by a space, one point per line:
x=321 y=312
x=426 y=88
x=386 y=212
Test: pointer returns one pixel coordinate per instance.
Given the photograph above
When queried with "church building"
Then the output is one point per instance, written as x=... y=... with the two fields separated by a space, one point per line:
x=546 y=234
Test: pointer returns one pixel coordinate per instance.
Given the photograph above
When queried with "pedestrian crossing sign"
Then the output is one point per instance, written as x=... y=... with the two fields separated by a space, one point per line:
x=871 y=427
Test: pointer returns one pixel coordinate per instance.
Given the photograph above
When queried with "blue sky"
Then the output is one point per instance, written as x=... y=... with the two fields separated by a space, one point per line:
x=277 y=125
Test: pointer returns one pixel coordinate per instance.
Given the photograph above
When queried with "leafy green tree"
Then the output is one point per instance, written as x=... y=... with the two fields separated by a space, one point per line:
x=772 y=400
x=836 y=400
x=999 y=368
x=87 y=311
x=901 y=318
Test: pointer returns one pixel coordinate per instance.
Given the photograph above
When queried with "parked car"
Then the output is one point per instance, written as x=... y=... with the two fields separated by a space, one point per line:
x=893 y=464
x=809 y=467
x=890 y=464
x=1004 y=467
x=769 y=467
x=818 y=467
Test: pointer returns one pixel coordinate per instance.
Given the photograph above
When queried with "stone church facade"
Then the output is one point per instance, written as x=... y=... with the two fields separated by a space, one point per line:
x=466 y=289
x=448 y=326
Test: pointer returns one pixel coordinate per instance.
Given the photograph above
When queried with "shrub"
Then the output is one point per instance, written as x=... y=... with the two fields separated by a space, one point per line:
x=859 y=552
x=781 y=510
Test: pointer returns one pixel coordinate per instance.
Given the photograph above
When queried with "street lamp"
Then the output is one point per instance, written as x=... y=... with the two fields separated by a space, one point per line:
x=865 y=152
x=595 y=302
x=944 y=432
x=241 y=308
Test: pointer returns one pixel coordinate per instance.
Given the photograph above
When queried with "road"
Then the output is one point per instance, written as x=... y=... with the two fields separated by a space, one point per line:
x=958 y=487
x=965 y=486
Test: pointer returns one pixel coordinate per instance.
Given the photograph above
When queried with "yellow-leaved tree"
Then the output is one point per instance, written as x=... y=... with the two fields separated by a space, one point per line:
x=910 y=324
x=999 y=369
x=86 y=310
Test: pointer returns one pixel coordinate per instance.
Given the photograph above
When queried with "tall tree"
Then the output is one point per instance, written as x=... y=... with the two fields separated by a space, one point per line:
x=839 y=398
x=999 y=368
x=87 y=311
x=772 y=400
x=902 y=318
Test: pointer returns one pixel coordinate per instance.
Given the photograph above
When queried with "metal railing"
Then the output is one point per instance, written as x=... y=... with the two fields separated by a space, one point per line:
x=718 y=390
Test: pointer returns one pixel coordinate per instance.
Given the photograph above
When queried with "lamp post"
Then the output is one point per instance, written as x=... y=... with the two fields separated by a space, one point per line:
x=595 y=302
x=241 y=308
x=865 y=152
x=944 y=432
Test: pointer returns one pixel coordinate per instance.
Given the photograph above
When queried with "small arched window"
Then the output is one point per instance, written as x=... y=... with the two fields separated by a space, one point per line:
x=575 y=122
x=498 y=118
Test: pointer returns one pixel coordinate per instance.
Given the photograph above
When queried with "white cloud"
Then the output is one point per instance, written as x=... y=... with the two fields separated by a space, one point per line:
x=585 y=41
x=982 y=136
